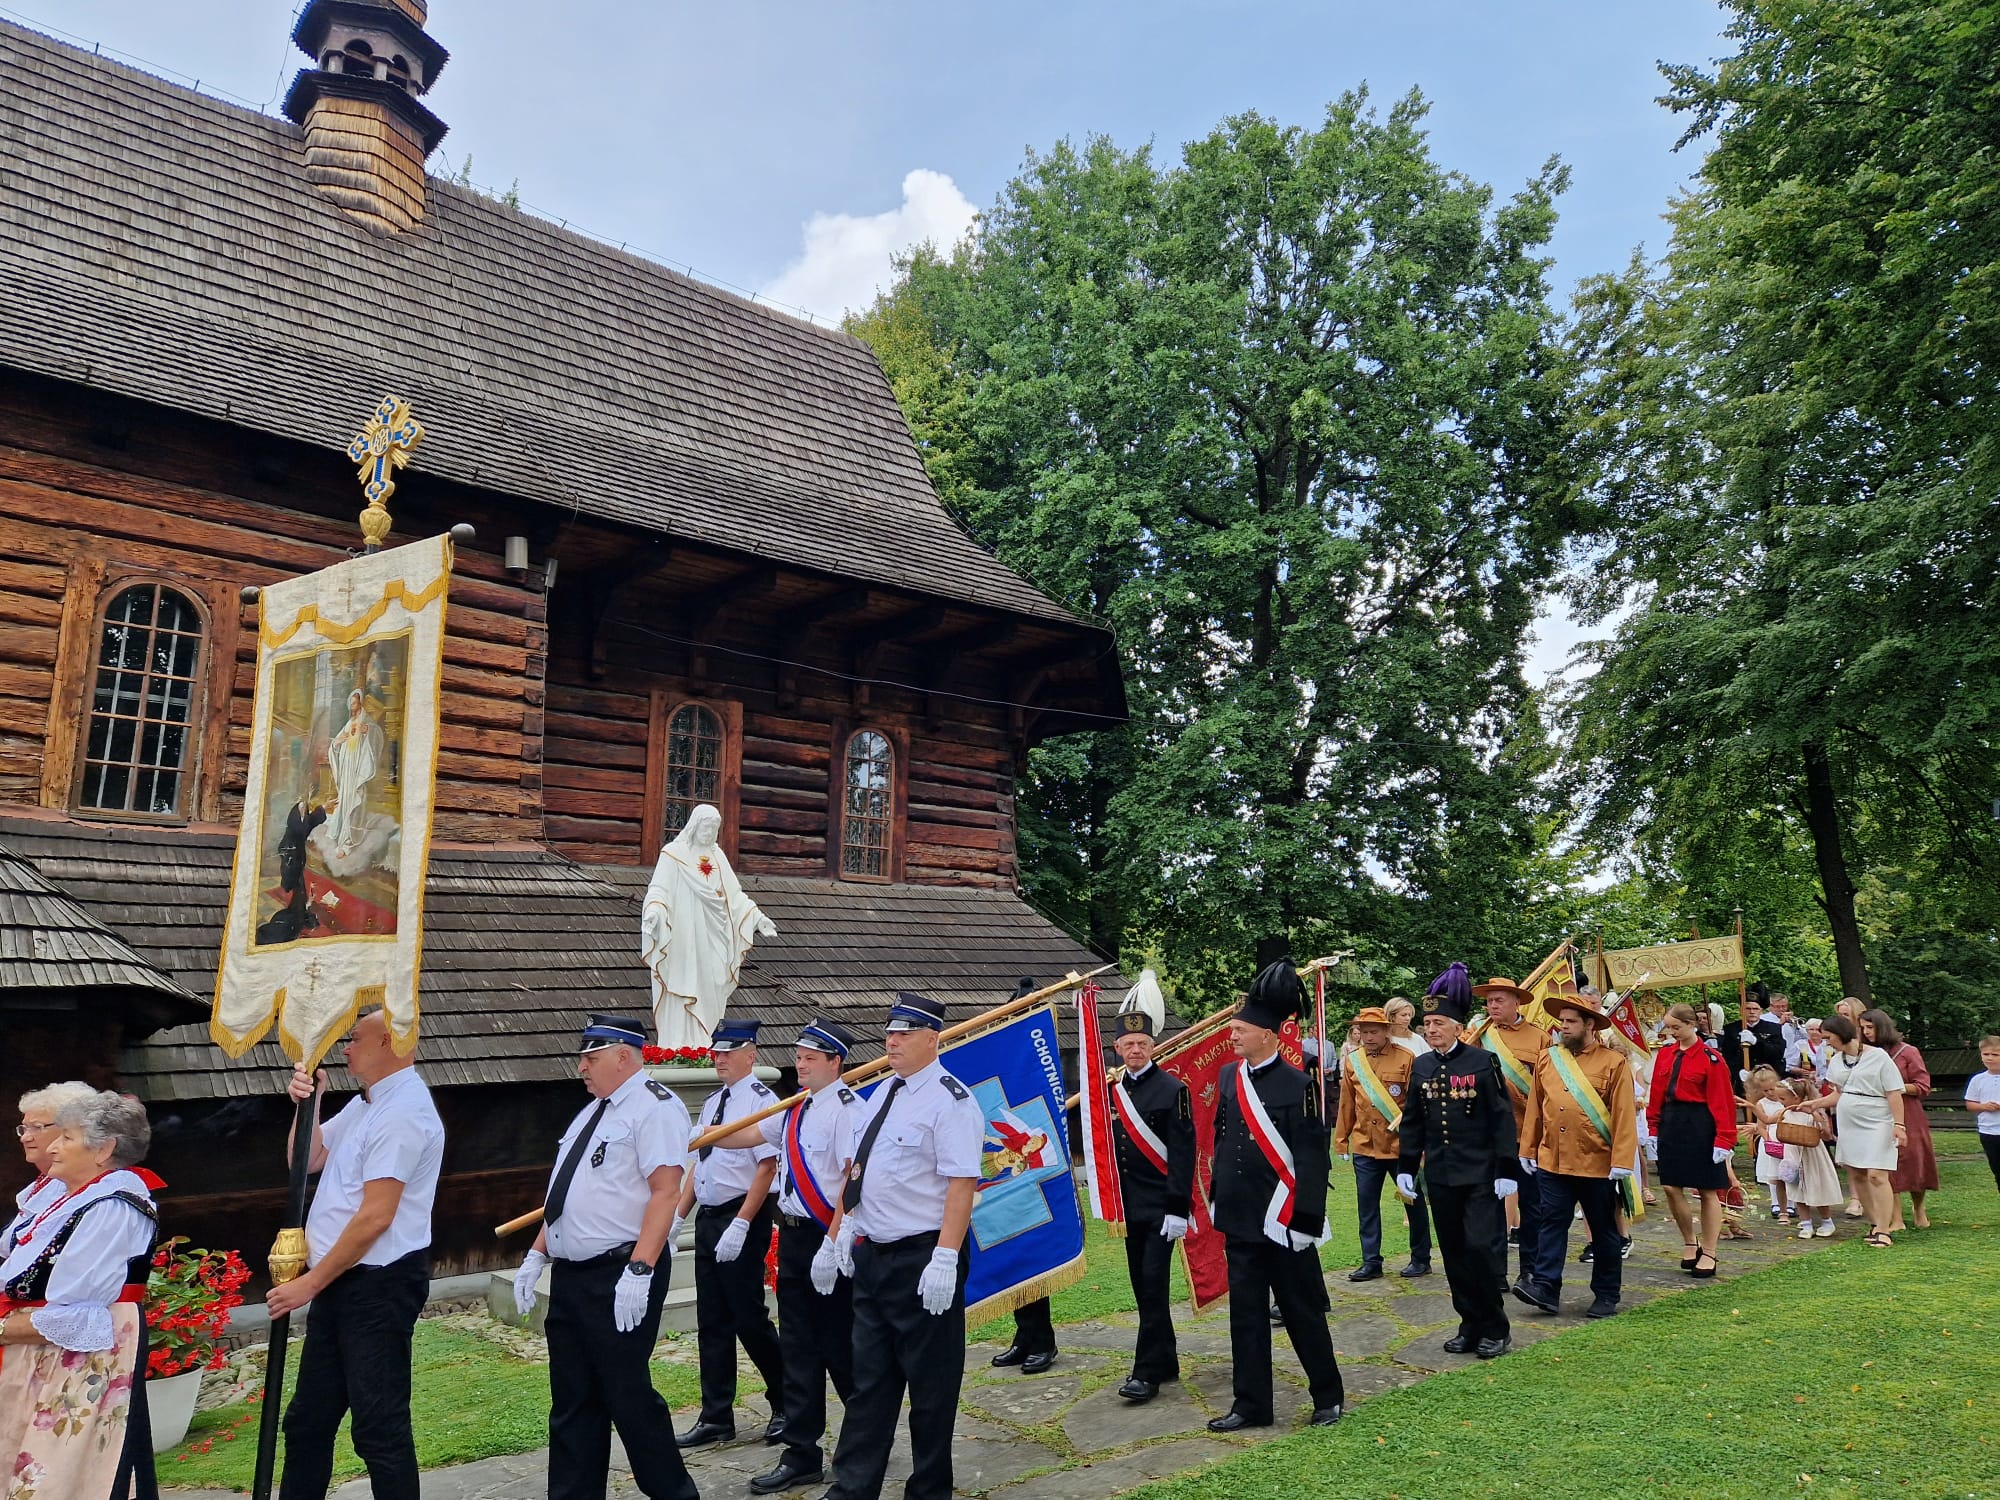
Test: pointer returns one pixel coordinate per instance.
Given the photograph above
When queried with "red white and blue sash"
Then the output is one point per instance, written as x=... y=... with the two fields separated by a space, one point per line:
x=799 y=1171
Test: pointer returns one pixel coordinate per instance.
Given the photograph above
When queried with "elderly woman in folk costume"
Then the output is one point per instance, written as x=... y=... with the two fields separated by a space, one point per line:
x=695 y=928
x=71 y=1295
x=36 y=1130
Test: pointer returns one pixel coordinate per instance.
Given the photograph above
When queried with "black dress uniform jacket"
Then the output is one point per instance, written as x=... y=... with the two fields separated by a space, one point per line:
x=1162 y=1102
x=1458 y=1122
x=1243 y=1180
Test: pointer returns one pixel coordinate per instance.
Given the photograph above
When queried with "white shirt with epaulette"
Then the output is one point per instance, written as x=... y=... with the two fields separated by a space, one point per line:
x=726 y=1175
x=826 y=1137
x=636 y=1136
x=933 y=1133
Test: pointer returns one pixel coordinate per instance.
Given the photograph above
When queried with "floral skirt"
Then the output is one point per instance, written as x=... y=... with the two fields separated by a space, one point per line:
x=62 y=1415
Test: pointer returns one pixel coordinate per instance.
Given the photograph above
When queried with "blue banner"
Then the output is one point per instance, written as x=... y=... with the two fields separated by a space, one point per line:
x=1027 y=1228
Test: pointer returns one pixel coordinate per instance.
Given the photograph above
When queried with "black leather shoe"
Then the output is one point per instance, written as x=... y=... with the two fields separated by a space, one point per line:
x=774 y=1432
x=1513 y=1236
x=1038 y=1364
x=1013 y=1354
x=703 y=1433
x=1589 y=1254
x=1416 y=1268
x=1603 y=1307
x=1276 y=1316
x=1139 y=1391
x=1372 y=1271
x=1324 y=1416
x=1531 y=1293
x=1493 y=1348
x=785 y=1477
x=1458 y=1343
x=1233 y=1421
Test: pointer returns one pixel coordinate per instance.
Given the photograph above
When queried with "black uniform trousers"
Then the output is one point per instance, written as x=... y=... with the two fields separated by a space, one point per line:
x=1370 y=1172
x=1537 y=1228
x=357 y=1357
x=1149 y=1258
x=1598 y=1197
x=1472 y=1234
x=1035 y=1327
x=728 y=1306
x=816 y=1336
x=899 y=1347
x=600 y=1378
x=1258 y=1271
x=1990 y=1144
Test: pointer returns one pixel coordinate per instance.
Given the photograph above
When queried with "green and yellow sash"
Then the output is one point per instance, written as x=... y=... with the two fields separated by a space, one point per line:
x=1594 y=1110
x=1370 y=1084
x=1511 y=1067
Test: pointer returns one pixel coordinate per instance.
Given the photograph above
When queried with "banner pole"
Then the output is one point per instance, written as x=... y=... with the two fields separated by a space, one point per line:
x=288 y=1258
x=863 y=1074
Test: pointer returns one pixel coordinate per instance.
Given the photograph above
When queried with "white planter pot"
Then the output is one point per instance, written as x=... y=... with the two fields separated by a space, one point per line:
x=695 y=1084
x=170 y=1403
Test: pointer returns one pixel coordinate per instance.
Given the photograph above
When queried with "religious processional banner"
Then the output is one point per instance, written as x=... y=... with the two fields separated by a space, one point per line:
x=1026 y=1239
x=1199 y=1065
x=1667 y=966
x=326 y=898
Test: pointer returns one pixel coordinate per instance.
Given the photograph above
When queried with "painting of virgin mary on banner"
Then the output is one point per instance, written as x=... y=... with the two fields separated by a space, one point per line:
x=325 y=911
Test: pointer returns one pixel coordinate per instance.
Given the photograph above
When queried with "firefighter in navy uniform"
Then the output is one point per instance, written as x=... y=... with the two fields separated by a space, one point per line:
x=605 y=1243
x=1458 y=1125
x=1268 y=1126
x=1152 y=1125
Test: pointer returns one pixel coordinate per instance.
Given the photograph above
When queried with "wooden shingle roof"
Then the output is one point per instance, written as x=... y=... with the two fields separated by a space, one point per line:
x=168 y=247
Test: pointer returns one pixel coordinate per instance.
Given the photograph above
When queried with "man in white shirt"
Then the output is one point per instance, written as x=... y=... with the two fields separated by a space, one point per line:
x=605 y=1242
x=368 y=1237
x=814 y=1139
x=908 y=1203
x=729 y=1194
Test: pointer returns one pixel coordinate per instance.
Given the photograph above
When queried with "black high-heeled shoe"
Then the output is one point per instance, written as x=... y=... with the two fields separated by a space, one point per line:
x=1700 y=1274
x=1688 y=1261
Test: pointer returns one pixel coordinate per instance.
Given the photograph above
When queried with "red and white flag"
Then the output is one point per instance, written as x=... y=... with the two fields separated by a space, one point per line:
x=1107 y=1196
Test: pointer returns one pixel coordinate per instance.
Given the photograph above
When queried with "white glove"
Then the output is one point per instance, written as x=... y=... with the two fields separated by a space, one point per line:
x=1505 y=1187
x=731 y=1244
x=1722 y=1154
x=1528 y=1165
x=526 y=1280
x=825 y=1268
x=1300 y=1241
x=1173 y=1226
x=1406 y=1184
x=1619 y=1174
x=1652 y=1146
x=1345 y=1157
x=843 y=1248
x=628 y=1301
x=674 y=1234
x=938 y=1286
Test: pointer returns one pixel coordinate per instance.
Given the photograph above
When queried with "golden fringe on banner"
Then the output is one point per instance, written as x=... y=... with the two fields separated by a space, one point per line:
x=1054 y=1280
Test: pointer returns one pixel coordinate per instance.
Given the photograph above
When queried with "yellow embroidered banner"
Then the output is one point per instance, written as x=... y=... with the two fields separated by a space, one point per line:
x=326 y=899
x=1668 y=966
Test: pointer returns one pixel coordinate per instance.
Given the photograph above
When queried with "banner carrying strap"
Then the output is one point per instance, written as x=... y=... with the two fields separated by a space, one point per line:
x=804 y=1183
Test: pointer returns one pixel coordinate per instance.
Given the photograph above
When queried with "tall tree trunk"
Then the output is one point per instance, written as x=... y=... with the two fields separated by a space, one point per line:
x=1837 y=898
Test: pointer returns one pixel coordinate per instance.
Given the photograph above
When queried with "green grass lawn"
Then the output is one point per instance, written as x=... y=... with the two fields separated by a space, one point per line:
x=469 y=1399
x=1846 y=1372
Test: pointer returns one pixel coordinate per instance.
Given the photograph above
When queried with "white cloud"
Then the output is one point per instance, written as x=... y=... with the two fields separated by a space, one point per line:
x=846 y=257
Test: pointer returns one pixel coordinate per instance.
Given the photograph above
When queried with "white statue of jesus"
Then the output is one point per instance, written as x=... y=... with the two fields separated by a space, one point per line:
x=355 y=756
x=694 y=929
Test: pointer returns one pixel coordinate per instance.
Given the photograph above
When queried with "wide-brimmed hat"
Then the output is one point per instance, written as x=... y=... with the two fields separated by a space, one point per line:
x=1494 y=987
x=1371 y=1015
x=1591 y=1008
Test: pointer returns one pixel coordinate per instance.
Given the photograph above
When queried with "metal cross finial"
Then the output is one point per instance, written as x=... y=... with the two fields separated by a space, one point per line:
x=379 y=449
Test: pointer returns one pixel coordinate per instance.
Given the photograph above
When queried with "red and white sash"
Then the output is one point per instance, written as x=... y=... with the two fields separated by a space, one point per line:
x=1143 y=1135
x=1284 y=1198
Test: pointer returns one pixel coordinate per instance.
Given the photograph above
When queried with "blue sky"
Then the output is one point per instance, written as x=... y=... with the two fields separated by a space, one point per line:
x=791 y=148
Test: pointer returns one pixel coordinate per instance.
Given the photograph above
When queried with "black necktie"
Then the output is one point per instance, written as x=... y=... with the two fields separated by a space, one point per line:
x=721 y=1103
x=559 y=1189
x=850 y=1199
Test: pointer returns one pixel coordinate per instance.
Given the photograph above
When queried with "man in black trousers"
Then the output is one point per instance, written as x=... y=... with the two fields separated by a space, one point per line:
x=1152 y=1125
x=1458 y=1125
x=368 y=1238
x=604 y=1242
x=1269 y=1189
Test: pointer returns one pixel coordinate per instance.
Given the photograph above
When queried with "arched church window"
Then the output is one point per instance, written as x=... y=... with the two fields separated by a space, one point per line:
x=694 y=763
x=867 y=805
x=139 y=746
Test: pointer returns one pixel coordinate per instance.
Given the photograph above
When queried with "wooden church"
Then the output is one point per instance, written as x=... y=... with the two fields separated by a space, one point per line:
x=709 y=568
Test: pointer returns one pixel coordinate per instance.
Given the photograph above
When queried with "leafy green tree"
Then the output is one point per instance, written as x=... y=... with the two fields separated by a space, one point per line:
x=1787 y=433
x=1290 y=416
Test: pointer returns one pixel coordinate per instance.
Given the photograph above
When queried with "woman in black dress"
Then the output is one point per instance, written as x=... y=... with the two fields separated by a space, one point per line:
x=1691 y=1109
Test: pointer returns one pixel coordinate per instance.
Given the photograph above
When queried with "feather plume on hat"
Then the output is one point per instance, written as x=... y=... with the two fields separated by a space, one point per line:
x=1450 y=994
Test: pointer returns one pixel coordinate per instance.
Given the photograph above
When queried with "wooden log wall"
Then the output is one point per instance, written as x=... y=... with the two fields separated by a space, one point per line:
x=70 y=529
x=956 y=783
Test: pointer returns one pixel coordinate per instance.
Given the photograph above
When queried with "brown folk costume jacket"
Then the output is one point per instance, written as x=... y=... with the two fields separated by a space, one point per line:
x=1360 y=1128
x=1558 y=1132
x=1527 y=1044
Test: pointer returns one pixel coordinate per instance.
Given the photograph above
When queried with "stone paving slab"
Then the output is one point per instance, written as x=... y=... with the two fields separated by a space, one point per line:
x=1066 y=1435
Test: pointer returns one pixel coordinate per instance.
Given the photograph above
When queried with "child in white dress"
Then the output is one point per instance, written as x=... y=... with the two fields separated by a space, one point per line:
x=1817 y=1192
x=1774 y=1169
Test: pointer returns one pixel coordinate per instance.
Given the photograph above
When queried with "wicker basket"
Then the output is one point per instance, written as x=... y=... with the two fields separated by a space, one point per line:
x=1792 y=1133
